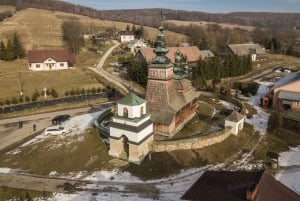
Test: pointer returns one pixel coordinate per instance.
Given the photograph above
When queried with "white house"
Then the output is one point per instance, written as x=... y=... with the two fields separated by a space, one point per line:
x=135 y=45
x=131 y=129
x=44 y=60
x=236 y=121
x=125 y=36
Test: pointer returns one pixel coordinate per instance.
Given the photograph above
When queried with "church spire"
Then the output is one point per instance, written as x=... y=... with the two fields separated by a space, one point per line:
x=160 y=48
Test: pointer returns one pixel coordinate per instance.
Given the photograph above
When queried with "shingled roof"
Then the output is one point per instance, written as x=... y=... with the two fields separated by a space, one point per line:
x=192 y=53
x=235 y=116
x=39 y=56
x=244 y=49
x=233 y=186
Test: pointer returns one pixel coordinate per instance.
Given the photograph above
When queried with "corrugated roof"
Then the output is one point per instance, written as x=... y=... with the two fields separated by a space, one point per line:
x=192 y=53
x=289 y=95
x=131 y=100
x=287 y=79
x=244 y=49
x=235 y=116
x=39 y=56
x=233 y=186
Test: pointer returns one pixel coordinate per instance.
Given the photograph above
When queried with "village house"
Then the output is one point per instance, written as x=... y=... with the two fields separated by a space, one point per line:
x=237 y=186
x=254 y=50
x=172 y=101
x=191 y=53
x=207 y=54
x=136 y=44
x=125 y=36
x=285 y=93
x=45 y=60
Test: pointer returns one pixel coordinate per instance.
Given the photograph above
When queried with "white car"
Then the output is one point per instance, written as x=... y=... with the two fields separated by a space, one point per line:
x=56 y=130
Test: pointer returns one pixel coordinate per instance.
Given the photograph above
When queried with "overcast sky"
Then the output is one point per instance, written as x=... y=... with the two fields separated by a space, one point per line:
x=212 y=6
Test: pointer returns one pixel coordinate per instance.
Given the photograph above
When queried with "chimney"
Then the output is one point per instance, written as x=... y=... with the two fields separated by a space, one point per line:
x=251 y=192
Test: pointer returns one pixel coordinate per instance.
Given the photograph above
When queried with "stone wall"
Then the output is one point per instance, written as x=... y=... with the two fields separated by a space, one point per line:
x=191 y=142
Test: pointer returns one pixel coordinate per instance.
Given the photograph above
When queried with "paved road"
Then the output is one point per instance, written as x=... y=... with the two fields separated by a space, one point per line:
x=109 y=77
x=11 y=134
x=117 y=81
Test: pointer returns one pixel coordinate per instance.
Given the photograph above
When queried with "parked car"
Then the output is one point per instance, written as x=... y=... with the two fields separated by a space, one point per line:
x=60 y=118
x=57 y=130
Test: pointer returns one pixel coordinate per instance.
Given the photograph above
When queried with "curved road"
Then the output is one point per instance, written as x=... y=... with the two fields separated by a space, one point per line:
x=117 y=81
x=109 y=77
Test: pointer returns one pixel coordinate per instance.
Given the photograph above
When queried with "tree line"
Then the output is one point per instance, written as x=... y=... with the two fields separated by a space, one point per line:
x=215 y=69
x=12 y=50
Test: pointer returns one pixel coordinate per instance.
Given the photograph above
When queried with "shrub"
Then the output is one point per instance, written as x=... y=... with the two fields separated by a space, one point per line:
x=54 y=93
x=14 y=100
x=27 y=99
x=67 y=93
x=94 y=90
x=7 y=102
x=21 y=99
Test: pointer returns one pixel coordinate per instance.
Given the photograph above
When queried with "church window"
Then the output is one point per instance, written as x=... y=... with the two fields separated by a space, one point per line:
x=125 y=112
x=142 y=111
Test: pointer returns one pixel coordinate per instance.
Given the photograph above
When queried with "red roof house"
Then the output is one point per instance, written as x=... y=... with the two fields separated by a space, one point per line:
x=41 y=60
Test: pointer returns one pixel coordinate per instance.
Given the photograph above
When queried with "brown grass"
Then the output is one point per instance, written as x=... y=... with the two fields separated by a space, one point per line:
x=46 y=156
x=61 y=81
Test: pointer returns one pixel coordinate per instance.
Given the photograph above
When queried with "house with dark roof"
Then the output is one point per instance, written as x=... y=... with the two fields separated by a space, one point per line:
x=44 y=60
x=254 y=50
x=192 y=54
x=238 y=186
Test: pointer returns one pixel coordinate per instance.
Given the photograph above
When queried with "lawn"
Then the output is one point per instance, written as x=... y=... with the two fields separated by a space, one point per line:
x=85 y=152
x=172 y=162
x=11 y=193
x=15 y=74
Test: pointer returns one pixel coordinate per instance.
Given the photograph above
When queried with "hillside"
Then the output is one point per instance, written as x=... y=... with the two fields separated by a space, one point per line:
x=44 y=31
x=152 y=17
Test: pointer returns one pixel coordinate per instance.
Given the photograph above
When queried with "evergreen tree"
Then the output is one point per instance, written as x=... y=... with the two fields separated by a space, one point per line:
x=127 y=27
x=2 y=51
x=10 y=55
x=17 y=46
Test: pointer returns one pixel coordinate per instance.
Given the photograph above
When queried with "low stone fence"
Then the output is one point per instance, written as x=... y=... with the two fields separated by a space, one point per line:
x=225 y=98
x=190 y=143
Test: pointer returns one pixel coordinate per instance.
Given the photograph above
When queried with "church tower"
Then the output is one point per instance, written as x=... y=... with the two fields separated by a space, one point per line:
x=131 y=129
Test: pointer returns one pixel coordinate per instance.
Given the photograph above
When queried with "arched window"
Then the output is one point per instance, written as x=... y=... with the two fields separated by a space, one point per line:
x=125 y=112
x=142 y=111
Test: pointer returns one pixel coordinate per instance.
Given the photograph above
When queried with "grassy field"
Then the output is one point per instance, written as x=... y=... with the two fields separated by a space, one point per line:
x=11 y=193
x=85 y=152
x=61 y=81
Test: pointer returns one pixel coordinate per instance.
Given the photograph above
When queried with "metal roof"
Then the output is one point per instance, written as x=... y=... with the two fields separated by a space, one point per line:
x=131 y=100
x=289 y=95
x=287 y=79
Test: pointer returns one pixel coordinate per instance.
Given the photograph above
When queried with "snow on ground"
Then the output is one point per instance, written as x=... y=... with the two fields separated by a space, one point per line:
x=77 y=125
x=290 y=173
x=259 y=120
x=4 y=170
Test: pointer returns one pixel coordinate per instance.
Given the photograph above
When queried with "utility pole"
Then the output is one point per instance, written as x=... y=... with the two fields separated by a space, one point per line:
x=20 y=83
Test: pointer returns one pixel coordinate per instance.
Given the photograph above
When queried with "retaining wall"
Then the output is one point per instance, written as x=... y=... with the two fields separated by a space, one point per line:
x=190 y=143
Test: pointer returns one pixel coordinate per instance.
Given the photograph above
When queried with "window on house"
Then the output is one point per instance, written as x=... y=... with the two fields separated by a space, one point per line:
x=37 y=65
x=62 y=65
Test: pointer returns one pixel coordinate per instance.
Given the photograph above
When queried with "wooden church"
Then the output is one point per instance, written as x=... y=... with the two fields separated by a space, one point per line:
x=171 y=99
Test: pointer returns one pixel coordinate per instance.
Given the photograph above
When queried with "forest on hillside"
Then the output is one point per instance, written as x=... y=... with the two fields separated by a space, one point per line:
x=152 y=17
x=278 y=32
